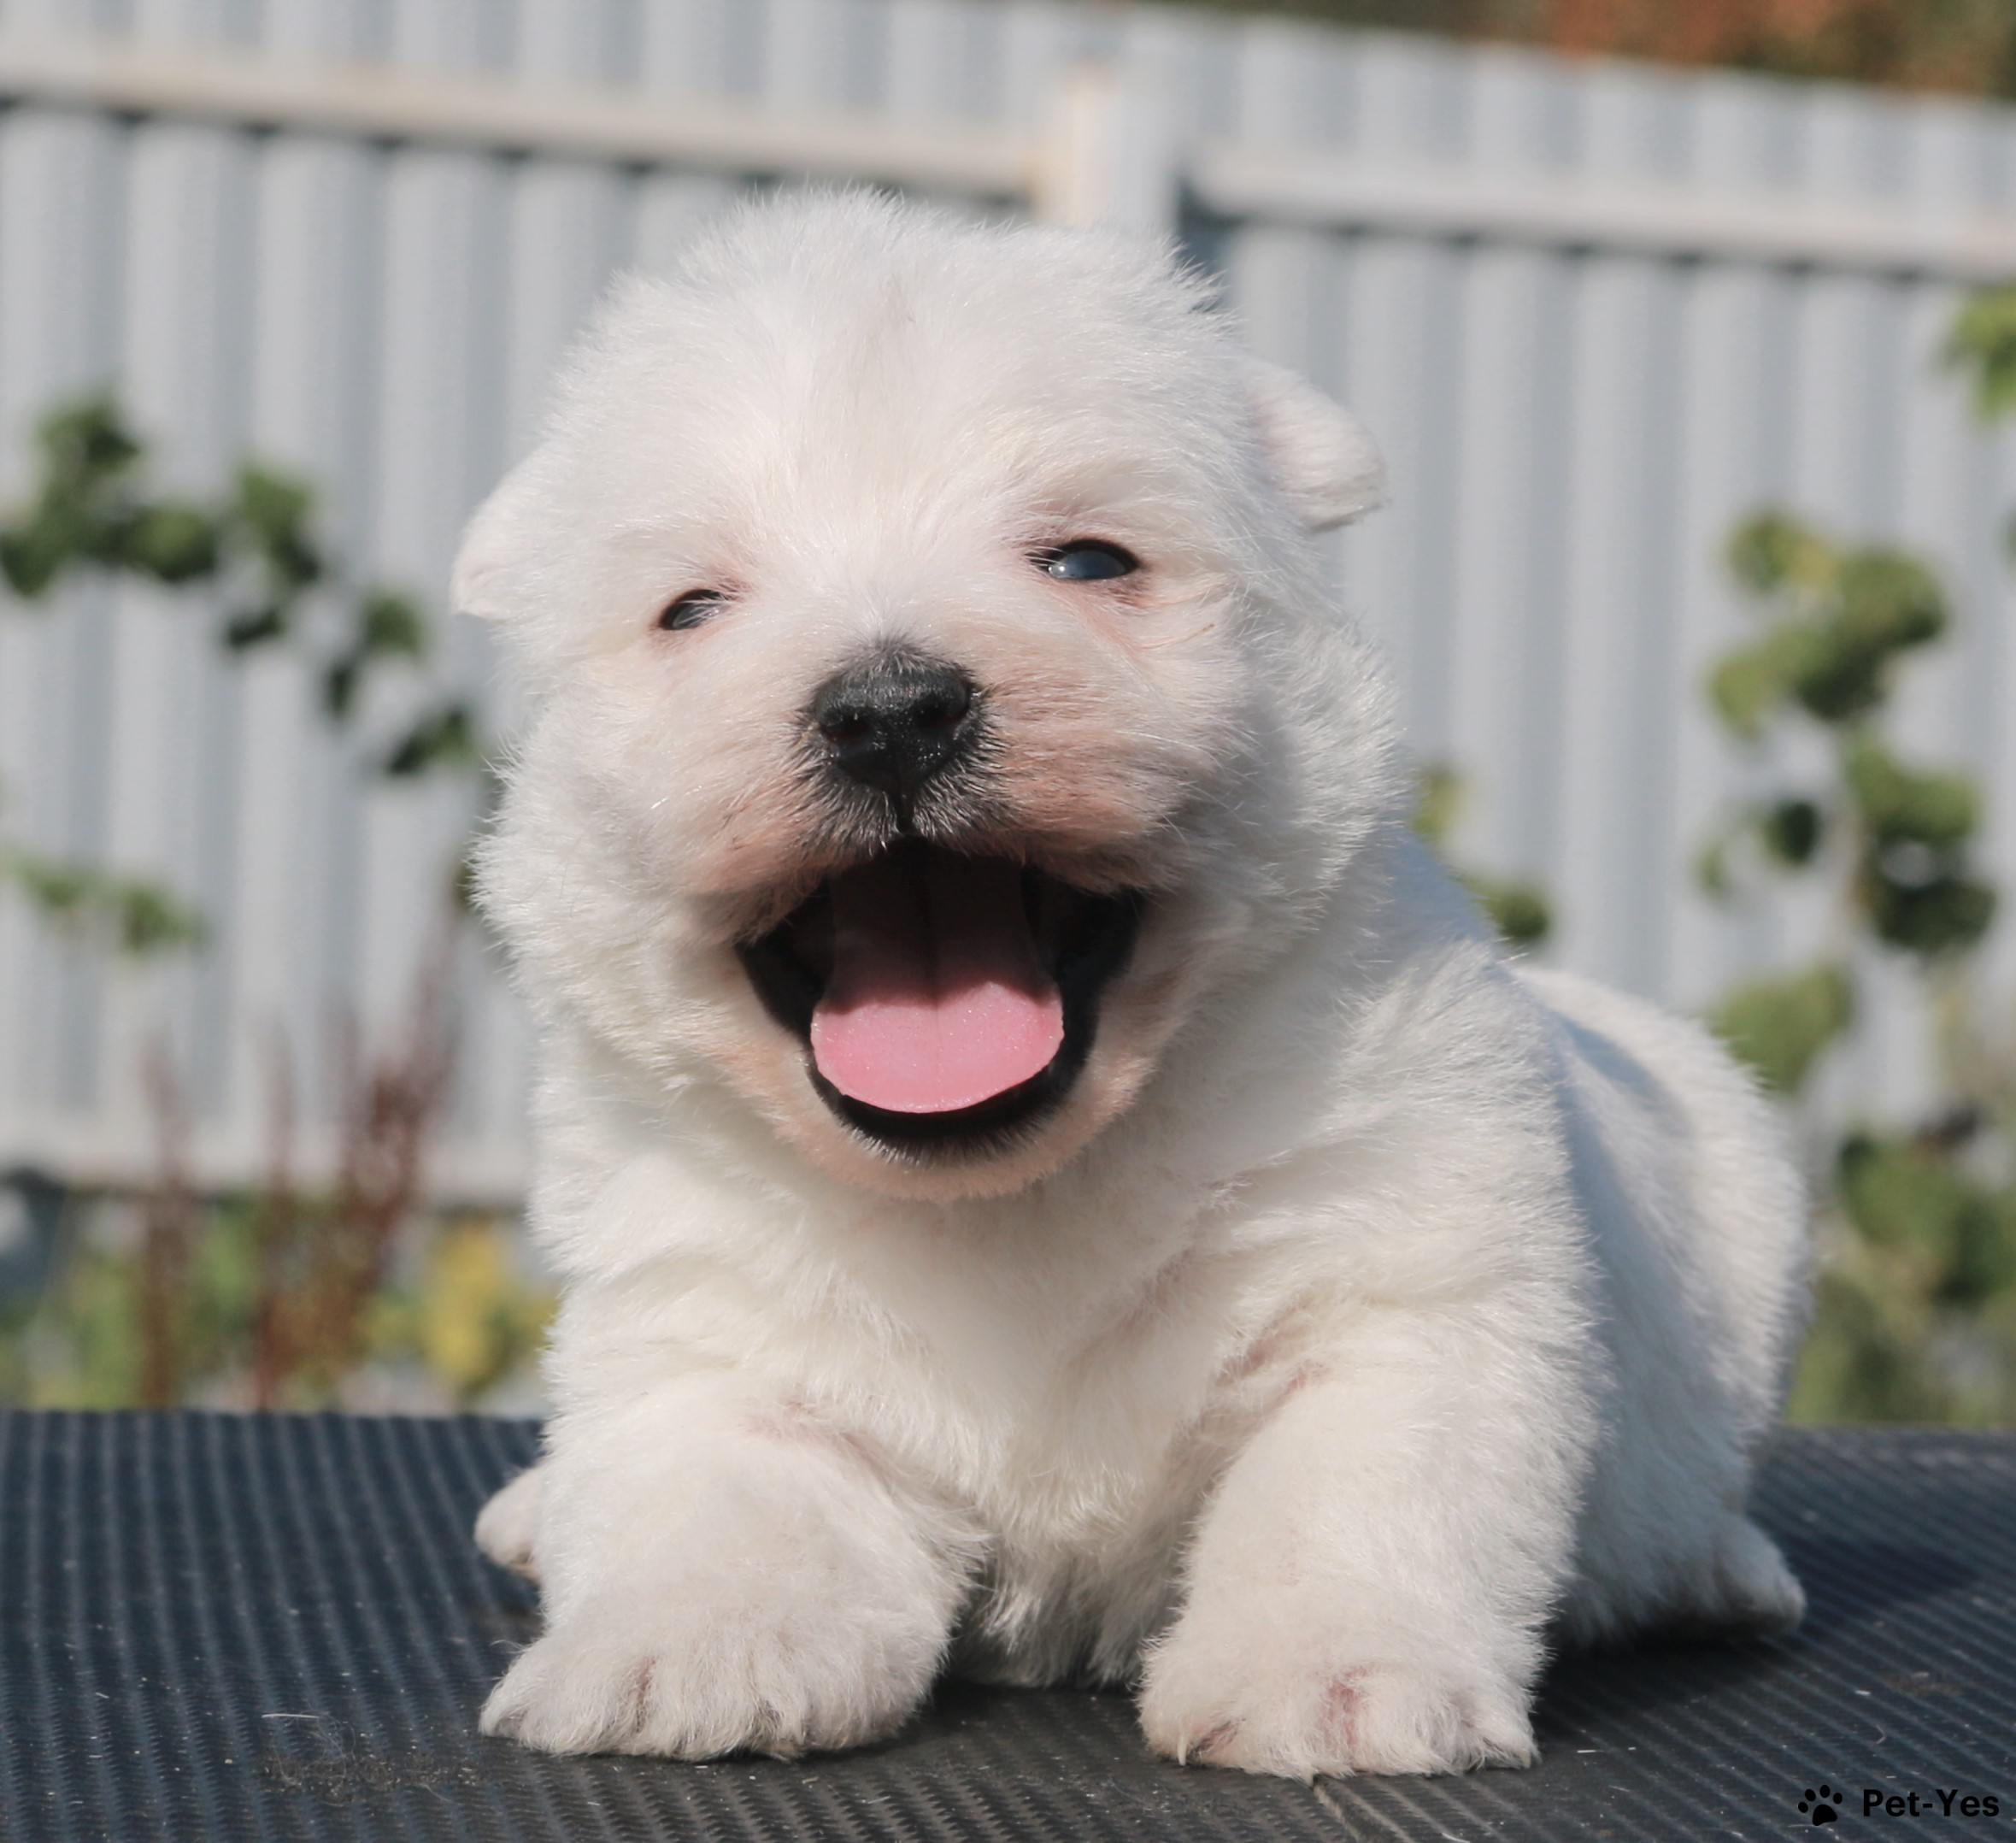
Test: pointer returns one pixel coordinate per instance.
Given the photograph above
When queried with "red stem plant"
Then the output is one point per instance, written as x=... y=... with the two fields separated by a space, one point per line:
x=168 y=1222
x=320 y=1268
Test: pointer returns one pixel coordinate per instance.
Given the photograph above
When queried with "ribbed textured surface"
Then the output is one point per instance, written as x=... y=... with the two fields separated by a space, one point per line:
x=222 y=1628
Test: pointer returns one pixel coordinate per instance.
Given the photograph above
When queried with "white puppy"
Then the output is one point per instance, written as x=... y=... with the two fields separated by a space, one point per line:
x=1050 y=1178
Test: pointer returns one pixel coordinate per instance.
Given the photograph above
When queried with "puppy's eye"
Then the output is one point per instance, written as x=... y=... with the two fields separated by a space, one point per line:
x=692 y=609
x=1087 y=560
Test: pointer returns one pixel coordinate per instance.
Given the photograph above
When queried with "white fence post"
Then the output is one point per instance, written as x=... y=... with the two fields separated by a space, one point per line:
x=1110 y=154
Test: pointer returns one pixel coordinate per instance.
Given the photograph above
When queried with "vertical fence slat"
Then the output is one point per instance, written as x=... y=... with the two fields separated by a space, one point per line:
x=1572 y=436
x=441 y=420
x=1618 y=619
x=1733 y=392
x=1502 y=666
x=61 y=265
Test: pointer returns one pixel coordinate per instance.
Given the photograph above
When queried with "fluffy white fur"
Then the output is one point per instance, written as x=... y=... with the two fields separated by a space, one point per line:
x=1370 y=1307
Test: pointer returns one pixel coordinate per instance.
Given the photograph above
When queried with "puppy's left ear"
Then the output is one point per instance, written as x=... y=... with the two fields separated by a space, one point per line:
x=1322 y=459
x=487 y=578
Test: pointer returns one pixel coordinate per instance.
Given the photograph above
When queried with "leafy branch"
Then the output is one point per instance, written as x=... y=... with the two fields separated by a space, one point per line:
x=1982 y=344
x=94 y=509
x=128 y=914
x=1895 y=838
x=1918 y=1301
x=1520 y=910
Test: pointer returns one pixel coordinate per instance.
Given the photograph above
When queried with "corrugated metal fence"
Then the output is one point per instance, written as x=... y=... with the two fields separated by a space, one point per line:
x=1592 y=312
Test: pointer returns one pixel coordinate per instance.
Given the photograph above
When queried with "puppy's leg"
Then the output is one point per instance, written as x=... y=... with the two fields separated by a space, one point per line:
x=723 y=1572
x=1366 y=1589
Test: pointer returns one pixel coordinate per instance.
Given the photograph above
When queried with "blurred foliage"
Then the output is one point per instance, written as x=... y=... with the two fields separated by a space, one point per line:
x=1841 y=619
x=1982 y=344
x=1518 y=909
x=462 y=1323
x=1836 y=623
x=1780 y=1027
x=277 y=1297
x=1968 y=46
x=254 y=551
x=1917 y=1300
x=285 y=1297
x=128 y=915
x=473 y=1322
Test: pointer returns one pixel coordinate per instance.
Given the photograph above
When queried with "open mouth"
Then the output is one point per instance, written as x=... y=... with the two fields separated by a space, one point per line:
x=946 y=1001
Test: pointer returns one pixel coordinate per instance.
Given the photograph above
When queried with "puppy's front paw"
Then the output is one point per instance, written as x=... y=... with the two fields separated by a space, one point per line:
x=692 y=1675
x=1271 y=1696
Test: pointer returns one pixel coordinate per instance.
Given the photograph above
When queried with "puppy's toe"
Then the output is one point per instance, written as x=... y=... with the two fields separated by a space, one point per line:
x=1345 y=1706
x=1732 y=1583
x=568 y=1695
x=1739 y=1587
x=507 y=1525
x=691 y=1680
x=1754 y=1591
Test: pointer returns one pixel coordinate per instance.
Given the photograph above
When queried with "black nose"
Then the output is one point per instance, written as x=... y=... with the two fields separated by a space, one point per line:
x=895 y=720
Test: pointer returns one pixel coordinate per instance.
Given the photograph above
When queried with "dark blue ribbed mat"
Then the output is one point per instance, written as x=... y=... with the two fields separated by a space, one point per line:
x=214 y=1626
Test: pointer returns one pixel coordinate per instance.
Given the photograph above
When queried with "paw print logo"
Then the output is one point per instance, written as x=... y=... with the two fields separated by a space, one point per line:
x=1822 y=1805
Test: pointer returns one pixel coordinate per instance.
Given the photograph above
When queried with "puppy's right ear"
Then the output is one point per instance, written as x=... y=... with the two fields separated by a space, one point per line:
x=1320 y=455
x=488 y=580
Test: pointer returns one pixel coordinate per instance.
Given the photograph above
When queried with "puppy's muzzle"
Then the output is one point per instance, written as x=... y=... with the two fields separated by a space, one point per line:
x=895 y=720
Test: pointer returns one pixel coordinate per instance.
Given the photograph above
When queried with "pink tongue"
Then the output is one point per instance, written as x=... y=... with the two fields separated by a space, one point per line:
x=937 y=1000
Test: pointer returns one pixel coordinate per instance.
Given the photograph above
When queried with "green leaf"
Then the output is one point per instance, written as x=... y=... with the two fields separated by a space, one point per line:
x=256 y=627
x=1842 y=678
x=274 y=506
x=1946 y=914
x=140 y=918
x=59 y=889
x=1744 y=686
x=339 y=685
x=275 y=509
x=1791 y=830
x=1774 y=551
x=1437 y=803
x=87 y=443
x=150 y=920
x=1779 y=1026
x=389 y=624
x=1891 y=599
x=1905 y=1193
x=1832 y=658
x=445 y=738
x=1711 y=869
x=1864 y=1359
x=1519 y=912
x=1896 y=803
x=1983 y=343
x=172 y=542
x=31 y=556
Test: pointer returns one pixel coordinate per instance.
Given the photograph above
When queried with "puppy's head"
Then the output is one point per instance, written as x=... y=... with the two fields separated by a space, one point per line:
x=936 y=704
